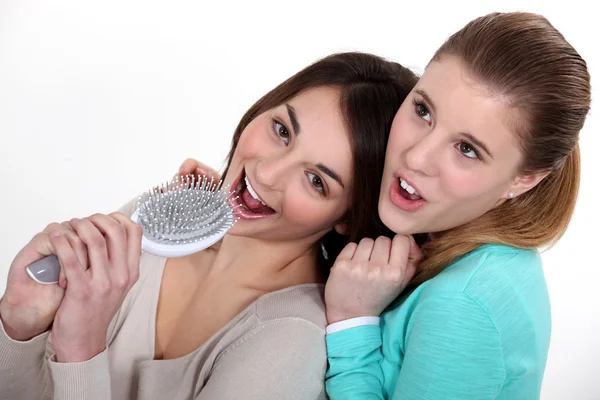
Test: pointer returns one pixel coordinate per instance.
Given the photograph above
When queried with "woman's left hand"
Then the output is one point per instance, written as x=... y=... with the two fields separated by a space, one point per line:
x=367 y=277
x=94 y=295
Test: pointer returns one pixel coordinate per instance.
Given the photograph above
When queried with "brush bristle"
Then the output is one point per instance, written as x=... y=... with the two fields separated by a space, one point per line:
x=186 y=210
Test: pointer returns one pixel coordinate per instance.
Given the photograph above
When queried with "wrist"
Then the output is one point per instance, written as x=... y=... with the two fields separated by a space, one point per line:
x=78 y=355
x=73 y=350
x=16 y=331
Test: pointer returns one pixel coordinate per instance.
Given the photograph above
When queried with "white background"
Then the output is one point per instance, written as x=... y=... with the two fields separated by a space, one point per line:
x=101 y=100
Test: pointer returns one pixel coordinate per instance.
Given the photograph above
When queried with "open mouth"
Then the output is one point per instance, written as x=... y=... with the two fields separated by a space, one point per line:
x=251 y=205
x=407 y=191
x=405 y=196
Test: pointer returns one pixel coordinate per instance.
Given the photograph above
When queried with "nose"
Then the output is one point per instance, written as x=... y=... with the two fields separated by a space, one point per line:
x=423 y=156
x=271 y=171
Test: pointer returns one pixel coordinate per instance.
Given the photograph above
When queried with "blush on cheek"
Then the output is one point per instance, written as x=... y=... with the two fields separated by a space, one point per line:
x=303 y=211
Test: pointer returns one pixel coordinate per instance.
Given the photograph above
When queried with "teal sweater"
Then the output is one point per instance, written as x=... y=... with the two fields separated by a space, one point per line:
x=479 y=330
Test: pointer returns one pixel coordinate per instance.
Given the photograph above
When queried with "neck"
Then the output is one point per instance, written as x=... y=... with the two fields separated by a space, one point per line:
x=260 y=265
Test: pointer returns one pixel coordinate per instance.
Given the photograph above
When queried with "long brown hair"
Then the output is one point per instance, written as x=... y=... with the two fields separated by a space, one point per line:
x=527 y=61
x=371 y=91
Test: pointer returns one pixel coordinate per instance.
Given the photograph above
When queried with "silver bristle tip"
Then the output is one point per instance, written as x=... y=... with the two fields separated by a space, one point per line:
x=186 y=210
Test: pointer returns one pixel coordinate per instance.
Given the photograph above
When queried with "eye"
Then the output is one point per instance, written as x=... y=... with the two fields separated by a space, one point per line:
x=316 y=182
x=422 y=111
x=281 y=131
x=467 y=150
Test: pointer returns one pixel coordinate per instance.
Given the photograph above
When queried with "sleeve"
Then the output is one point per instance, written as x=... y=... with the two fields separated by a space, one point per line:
x=351 y=323
x=281 y=359
x=29 y=371
x=23 y=371
x=354 y=364
x=452 y=352
x=88 y=380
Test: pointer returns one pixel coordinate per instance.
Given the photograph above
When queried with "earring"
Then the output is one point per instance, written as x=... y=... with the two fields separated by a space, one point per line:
x=324 y=252
x=511 y=195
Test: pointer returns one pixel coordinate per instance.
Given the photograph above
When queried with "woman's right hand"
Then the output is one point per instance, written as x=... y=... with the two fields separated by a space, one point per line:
x=27 y=308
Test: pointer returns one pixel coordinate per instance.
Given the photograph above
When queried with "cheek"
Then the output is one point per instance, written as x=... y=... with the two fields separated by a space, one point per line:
x=403 y=133
x=304 y=210
x=468 y=186
x=253 y=138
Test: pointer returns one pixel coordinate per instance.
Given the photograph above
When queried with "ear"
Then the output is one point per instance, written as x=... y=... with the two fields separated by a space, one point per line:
x=524 y=183
x=341 y=228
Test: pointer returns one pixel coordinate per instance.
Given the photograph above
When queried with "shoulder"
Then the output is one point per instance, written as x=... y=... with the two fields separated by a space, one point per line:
x=499 y=284
x=491 y=272
x=288 y=326
x=486 y=263
x=303 y=304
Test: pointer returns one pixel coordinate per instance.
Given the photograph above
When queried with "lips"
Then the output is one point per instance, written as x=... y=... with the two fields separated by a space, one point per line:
x=405 y=195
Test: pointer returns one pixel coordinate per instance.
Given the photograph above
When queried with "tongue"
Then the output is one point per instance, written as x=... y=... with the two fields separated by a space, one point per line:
x=409 y=196
x=255 y=205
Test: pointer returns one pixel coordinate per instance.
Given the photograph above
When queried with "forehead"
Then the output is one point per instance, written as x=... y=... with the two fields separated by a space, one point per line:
x=464 y=105
x=323 y=132
x=319 y=104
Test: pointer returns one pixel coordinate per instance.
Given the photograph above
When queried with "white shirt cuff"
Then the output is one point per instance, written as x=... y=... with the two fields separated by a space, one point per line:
x=351 y=323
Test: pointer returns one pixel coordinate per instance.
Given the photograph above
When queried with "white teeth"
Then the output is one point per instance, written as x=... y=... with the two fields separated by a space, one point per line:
x=407 y=187
x=252 y=192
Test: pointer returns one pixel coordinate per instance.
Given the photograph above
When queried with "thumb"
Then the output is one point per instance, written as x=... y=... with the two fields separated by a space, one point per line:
x=415 y=254
x=414 y=257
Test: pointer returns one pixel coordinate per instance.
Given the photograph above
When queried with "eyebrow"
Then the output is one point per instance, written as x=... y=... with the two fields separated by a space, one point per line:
x=477 y=143
x=472 y=138
x=293 y=118
x=422 y=93
x=296 y=127
x=331 y=173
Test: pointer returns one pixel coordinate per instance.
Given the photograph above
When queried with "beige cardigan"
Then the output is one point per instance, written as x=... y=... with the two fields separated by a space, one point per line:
x=274 y=349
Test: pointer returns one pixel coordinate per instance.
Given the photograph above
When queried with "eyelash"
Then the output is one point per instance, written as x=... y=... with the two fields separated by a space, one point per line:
x=477 y=156
x=420 y=105
x=276 y=124
x=322 y=191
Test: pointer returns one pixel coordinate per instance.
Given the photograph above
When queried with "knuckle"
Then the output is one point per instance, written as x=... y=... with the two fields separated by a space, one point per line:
x=367 y=240
x=52 y=227
x=116 y=230
x=84 y=292
x=134 y=276
x=117 y=214
x=103 y=287
x=70 y=261
x=40 y=236
x=137 y=230
x=342 y=265
x=395 y=277
x=76 y=240
x=384 y=240
x=97 y=242
x=122 y=282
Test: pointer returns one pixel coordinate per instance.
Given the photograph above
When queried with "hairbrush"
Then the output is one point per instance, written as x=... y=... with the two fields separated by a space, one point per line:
x=178 y=218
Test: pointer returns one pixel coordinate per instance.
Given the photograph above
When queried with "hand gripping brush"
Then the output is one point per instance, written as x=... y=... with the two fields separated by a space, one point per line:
x=178 y=218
